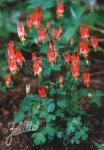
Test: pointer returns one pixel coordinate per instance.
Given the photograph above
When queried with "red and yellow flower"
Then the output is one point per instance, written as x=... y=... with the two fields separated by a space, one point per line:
x=51 y=54
x=37 y=64
x=75 y=64
x=42 y=34
x=37 y=17
x=42 y=91
x=94 y=41
x=21 y=31
x=59 y=9
x=86 y=76
x=84 y=47
x=67 y=57
x=84 y=31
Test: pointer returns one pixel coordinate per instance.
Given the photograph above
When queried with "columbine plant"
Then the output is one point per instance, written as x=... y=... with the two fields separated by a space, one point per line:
x=56 y=104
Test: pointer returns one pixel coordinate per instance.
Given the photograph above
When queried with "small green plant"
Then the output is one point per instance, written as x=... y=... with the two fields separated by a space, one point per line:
x=99 y=146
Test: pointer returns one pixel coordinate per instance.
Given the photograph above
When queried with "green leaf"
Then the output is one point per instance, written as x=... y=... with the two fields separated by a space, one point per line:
x=59 y=134
x=50 y=131
x=46 y=116
x=52 y=92
x=61 y=103
x=99 y=94
x=60 y=114
x=46 y=102
x=57 y=67
x=90 y=19
x=61 y=92
x=51 y=107
x=70 y=129
x=39 y=138
x=18 y=117
x=47 y=15
x=25 y=106
x=46 y=67
x=95 y=100
x=40 y=3
x=70 y=31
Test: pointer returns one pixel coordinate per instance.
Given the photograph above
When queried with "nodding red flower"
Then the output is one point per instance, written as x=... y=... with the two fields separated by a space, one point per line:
x=75 y=71
x=67 y=57
x=51 y=54
x=94 y=41
x=19 y=56
x=42 y=91
x=30 y=22
x=11 y=53
x=84 y=31
x=60 y=9
x=34 y=57
x=12 y=65
x=75 y=62
x=86 y=76
x=75 y=59
x=21 y=31
x=84 y=48
x=37 y=65
x=42 y=34
x=57 y=33
x=12 y=58
x=37 y=17
x=8 y=80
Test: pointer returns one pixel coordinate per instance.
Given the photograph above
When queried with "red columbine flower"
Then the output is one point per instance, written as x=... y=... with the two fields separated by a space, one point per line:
x=12 y=65
x=42 y=34
x=42 y=91
x=75 y=71
x=84 y=48
x=19 y=57
x=60 y=9
x=75 y=65
x=37 y=17
x=37 y=65
x=11 y=53
x=12 y=58
x=21 y=31
x=34 y=57
x=94 y=41
x=30 y=22
x=67 y=57
x=75 y=59
x=57 y=33
x=51 y=54
x=84 y=31
x=86 y=76
x=8 y=80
